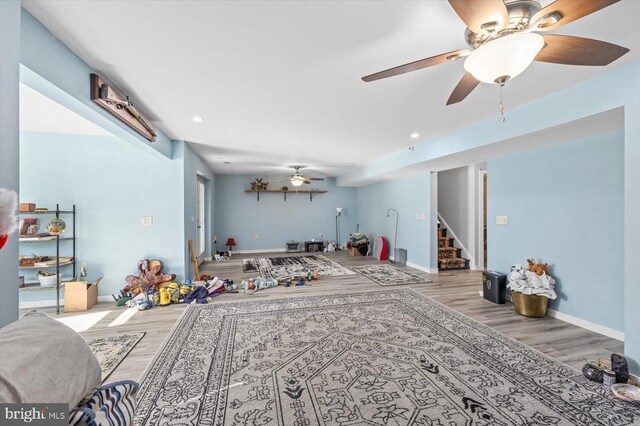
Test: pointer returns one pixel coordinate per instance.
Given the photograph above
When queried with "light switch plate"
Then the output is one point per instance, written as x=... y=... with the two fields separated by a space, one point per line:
x=147 y=220
x=502 y=220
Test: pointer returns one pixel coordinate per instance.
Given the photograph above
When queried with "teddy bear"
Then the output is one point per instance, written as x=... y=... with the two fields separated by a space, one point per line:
x=537 y=268
x=150 y=277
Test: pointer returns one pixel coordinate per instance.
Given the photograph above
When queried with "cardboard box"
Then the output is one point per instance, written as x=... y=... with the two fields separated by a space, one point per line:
x=80 y=295
x=27 y=207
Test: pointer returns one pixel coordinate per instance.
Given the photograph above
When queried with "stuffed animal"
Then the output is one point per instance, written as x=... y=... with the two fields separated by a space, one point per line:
x=537 y=268
x=150 y=277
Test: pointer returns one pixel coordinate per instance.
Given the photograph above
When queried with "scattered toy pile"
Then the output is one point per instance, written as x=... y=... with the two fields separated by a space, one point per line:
x=151 y=288
x=252 y=285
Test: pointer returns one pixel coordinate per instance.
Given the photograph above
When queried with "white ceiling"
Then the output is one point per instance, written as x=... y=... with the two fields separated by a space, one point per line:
x=278 y=82
x=41 y=114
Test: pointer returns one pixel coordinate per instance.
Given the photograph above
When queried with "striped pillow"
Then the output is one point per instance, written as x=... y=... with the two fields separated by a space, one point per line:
x=111 y=404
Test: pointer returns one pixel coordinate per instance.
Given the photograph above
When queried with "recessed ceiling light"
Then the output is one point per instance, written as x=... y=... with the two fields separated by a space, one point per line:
x=415 y=135
x=197 y=119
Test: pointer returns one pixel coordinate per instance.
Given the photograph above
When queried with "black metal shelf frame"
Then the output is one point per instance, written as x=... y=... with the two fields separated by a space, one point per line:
x=58 y=239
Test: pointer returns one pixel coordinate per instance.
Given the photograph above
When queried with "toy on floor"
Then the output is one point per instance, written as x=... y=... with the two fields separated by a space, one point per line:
x=122 y=298
x=298 y=280
x=150 y=277
x=252 y=285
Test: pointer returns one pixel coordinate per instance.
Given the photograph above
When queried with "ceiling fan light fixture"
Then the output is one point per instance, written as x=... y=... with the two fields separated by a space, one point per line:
x=503 y=58
x=297 y=180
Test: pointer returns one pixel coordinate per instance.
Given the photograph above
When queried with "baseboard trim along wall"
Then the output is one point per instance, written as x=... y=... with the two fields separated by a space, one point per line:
x=422 y=268
x=275 y=250
x=600 y=329
x=596 y=328
x=52 y=302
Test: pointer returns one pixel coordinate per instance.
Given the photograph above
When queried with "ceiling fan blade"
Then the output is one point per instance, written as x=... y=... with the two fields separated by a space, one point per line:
x=570 y=50
x=417 y=65
x=312 y=178
x=561 y=12
x=482 y=16
x=462 y=90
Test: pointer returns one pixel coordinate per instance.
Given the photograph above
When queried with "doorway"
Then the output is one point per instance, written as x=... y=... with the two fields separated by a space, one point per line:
x=201 y=214
x=484 y=218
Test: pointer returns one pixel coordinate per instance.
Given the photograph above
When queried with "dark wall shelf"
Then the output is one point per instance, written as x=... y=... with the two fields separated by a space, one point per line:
x=311 y=192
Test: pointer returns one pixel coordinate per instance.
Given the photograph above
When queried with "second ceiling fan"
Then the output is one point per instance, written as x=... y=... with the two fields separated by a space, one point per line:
x=297 y=178
x=503 y=40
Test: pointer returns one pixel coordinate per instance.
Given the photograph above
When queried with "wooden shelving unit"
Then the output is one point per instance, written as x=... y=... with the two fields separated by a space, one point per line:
x=35 y=285
x=311 y=192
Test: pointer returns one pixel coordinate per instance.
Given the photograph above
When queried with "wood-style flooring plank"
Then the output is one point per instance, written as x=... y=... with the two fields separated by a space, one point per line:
x=458 y=290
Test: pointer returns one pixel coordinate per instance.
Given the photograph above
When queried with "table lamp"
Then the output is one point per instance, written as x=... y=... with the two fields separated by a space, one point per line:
x=230 y=243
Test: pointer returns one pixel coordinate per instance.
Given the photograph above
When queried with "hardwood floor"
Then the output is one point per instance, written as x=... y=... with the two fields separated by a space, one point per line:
x=459 y=290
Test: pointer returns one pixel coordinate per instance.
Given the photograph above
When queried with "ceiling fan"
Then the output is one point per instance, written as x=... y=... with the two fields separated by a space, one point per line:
x=503 y=40
x=297 y=178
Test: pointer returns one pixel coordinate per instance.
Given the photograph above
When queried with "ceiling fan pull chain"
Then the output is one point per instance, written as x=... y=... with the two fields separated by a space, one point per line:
x=501 y=105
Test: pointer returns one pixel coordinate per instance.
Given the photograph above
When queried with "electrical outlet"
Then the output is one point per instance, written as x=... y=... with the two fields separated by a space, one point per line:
x=502 y=220
x=417 y=216
x=147 y=220
x=255 y=237
x=423 y=216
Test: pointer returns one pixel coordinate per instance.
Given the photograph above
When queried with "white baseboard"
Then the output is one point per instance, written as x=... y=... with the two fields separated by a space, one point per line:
x=52 y=302
x=588 y=325
x=597 y=328
x=422 y=268
x=275 y=250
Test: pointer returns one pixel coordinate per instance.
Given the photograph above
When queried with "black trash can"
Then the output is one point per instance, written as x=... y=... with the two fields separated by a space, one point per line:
x=494 y=286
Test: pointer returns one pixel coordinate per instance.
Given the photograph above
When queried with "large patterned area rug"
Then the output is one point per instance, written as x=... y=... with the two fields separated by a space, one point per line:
x=275 y=267
x=392 y=357
x=111 y=350
x=388 y=275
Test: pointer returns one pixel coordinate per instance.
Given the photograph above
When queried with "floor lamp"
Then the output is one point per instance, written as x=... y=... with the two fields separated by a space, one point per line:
x=395 y=240
x=339 y=210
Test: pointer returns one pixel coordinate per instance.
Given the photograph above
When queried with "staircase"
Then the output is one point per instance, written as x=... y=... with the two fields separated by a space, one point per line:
x=449 y=256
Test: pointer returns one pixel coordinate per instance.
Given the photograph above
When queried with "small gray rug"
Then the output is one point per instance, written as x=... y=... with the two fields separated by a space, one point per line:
x=388 y=275
x=111 y=350
x=275 y=267
x=388 y=357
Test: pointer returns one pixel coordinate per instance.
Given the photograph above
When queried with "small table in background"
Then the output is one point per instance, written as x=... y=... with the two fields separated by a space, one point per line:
x=313 y=246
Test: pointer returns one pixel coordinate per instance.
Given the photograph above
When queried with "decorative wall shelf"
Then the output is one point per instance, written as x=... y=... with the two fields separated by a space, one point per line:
x=280 y=191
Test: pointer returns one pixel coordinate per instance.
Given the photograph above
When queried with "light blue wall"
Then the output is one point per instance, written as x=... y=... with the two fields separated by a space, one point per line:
x=50 y=67
x=9 y=174
x=410 y=196
x=239 y=215
x=113 y=185
x=617 y=88
x=192 y=167
x=565 y=205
